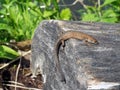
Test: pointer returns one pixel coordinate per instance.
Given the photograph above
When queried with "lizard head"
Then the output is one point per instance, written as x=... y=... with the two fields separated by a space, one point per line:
x=93 y=41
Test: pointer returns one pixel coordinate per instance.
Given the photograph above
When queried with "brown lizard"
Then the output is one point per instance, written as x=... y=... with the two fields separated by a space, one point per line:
x=67 y=35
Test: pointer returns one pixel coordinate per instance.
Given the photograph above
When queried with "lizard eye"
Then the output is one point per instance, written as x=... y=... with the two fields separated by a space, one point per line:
x=96 y=42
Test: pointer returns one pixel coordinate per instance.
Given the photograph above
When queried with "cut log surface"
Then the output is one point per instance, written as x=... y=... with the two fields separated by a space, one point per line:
x=85 y=67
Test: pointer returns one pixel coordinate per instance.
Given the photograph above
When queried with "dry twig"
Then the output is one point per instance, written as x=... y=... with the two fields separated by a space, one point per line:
x=5 y=65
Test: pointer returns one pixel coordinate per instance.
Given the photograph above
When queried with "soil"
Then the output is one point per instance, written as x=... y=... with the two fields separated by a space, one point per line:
x=24 y=81
x=9 y=73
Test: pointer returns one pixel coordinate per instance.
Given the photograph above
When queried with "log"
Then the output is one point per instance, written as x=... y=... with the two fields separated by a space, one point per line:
x=85 y=67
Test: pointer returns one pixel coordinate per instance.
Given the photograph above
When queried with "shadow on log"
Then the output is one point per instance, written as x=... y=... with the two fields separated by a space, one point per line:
x=84 y=67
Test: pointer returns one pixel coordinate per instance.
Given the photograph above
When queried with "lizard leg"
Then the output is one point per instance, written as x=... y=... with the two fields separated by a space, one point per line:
x=63 y=44
x=61 y=33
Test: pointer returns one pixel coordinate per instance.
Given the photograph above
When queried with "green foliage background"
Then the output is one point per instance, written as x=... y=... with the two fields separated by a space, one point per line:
x=19 y=18
x=101 y=11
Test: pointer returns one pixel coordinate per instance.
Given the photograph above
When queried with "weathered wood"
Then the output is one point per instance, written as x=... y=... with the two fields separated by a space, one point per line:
x=85 y=67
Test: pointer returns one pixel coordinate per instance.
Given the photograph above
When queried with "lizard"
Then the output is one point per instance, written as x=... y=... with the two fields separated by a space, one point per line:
x=88 y=39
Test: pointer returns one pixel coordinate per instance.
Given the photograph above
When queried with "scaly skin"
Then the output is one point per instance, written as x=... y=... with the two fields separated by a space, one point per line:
x=67 y=35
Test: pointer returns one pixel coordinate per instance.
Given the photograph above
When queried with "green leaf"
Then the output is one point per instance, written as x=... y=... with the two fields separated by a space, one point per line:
x=6 y=52
x=109 y=16
x=48 y=2
x=4 y=26
x=108 y=2
x=90 y=17
x=65 y=14
x=48 y=13
x=109 y=13
x=109 y=20
x=32 y=5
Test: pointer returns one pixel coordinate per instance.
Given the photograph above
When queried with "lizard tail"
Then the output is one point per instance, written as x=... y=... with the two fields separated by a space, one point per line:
x=58 y=66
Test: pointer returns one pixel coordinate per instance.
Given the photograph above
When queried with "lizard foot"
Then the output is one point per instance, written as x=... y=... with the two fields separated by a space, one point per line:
x=63 y=80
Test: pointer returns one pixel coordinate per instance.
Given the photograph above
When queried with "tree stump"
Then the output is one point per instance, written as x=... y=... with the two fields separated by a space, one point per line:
x=85 y=67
